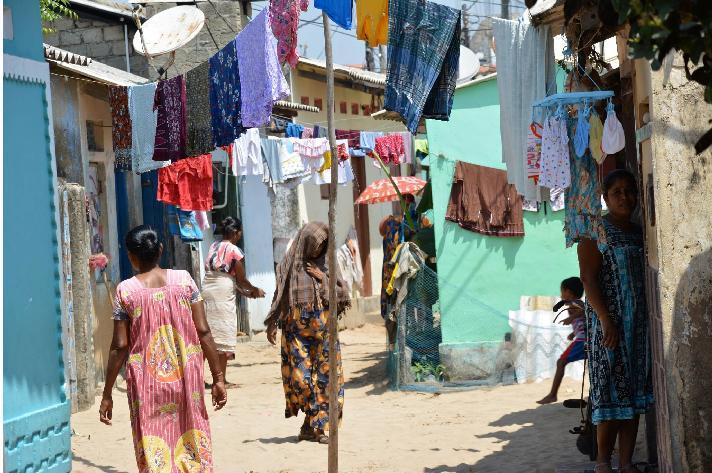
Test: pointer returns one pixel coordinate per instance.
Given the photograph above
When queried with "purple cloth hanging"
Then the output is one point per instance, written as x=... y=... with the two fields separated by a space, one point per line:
x=171 y=127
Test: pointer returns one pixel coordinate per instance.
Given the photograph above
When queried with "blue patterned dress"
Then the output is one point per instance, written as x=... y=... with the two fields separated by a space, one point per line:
x=225 y=95
x=621 y=379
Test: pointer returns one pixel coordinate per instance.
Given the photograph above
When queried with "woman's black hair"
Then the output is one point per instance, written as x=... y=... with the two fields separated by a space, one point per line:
x=230 y=225
x=615 y=176
x=574 y=285
x=142 y=241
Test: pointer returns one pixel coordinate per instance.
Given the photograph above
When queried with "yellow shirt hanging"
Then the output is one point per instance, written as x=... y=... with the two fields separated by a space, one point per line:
x=372 y=21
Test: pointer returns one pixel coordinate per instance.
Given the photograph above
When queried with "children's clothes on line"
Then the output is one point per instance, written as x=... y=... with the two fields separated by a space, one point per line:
x=390 y=149
x=247 y=154
x=533 y=157
x=311 y=147
x=555 y=170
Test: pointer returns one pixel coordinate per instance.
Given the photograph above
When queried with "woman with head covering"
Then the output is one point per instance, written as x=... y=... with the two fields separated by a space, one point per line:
x=300 y=308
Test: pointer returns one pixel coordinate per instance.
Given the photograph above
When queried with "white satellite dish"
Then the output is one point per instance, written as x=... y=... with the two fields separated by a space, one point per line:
x=469 y=64
x=169 y=30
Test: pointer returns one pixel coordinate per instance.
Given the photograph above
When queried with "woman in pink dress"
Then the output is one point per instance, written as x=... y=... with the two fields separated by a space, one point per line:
x=161 y=333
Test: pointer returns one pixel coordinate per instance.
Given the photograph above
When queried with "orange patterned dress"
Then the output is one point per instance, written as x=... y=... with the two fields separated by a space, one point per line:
x=164 y=375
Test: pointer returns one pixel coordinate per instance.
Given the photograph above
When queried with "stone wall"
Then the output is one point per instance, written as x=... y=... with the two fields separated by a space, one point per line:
x=683 y=192
x=102 y=39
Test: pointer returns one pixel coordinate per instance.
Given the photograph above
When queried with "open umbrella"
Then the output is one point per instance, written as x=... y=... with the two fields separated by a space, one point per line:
x=382 y=190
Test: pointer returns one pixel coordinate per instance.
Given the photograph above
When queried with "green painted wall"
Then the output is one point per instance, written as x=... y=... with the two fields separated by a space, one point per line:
x=482 y=278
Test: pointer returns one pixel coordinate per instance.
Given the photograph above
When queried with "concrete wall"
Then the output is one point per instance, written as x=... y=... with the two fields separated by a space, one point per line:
x=683 y=192
x=102 y=37
x=68 y=141
x=482 y=278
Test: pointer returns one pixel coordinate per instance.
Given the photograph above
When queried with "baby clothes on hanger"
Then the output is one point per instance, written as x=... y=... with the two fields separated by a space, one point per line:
x=533 y=157
x=595 y=134
x=582 y=132
x=555 y=170
x=613 y=139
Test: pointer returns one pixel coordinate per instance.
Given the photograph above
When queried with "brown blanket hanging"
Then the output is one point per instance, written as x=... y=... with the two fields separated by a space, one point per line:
x=482 y=201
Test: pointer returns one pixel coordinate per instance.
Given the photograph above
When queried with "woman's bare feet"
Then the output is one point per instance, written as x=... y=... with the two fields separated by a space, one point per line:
x=549 y=399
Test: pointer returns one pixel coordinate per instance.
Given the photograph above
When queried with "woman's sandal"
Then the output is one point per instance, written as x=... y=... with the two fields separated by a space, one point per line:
x=322 y=439
x=307 y=434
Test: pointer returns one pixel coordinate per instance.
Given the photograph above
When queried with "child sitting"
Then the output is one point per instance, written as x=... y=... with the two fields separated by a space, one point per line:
x=571 y=293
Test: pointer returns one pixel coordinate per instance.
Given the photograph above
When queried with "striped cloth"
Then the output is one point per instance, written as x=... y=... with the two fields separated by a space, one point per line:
x=423 y=56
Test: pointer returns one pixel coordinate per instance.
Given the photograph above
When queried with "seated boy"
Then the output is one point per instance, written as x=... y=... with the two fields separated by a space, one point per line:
x=571 y=293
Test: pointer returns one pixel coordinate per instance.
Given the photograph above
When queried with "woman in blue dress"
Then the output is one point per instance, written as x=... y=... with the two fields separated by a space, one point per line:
x=618 y=340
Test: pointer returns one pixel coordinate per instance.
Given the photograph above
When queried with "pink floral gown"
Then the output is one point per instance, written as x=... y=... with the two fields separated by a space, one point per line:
x=164 y=375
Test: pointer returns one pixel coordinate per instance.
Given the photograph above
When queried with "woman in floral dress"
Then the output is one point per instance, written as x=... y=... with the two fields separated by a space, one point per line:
x=300 y=308
x=161 y=333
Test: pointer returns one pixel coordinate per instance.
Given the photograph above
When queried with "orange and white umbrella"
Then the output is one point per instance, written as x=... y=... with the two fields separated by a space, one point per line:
x=382 y=190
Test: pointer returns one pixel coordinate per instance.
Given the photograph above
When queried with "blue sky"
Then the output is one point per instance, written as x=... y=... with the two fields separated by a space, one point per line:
x=349 y=50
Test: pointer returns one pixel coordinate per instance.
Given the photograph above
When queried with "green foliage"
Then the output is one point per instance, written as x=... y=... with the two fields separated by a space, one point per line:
x=52 y=10
x=660 y=26
x=422 y=369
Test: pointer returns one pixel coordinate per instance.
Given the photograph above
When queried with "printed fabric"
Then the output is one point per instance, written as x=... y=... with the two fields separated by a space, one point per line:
x=340 y=11
x=422 y=60
x=621 y=379
x=120 y=127
x=187 y=183
x=199 y=139
x=482 y=201
x=284 y=20
x=171 y=124
x=372 y=21
x=311 y=147
x=225 y=103
x=164 y=375
x=390 y=149
x=353 y=137
x=582 y=218
x=305 y=366
x=554 y=171
x=261 y=80
x=293 y=130
x=533 y=156
x=183 y=224
x=223 y=256
x=143 y=127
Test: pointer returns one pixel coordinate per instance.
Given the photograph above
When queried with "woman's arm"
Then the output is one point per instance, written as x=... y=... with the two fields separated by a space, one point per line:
x=244 y=286
x=590 y=261
x=117 y=357
x=382 y=228
x=210 y=352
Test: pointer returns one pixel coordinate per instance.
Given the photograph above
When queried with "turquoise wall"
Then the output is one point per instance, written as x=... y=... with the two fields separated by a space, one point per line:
x=35 y=408
x=482 y=278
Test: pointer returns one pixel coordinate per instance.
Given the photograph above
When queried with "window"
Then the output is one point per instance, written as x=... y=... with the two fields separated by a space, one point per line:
x=95 y=136
x=354 y=109
x=318 y=104
x=366 y=110
x=343 y=107
x=305 y=100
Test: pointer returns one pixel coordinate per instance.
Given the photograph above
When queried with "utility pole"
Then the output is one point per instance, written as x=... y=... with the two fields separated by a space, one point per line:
x=370 y=63
x=505 y=9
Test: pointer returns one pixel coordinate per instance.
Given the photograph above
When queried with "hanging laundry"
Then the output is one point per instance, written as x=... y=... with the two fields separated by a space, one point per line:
x=320 y=132
x=120 y=127
x=187 y=183
x=582 y=217
x=261 y=79
x=482 y=201
x=581 y=134
x=225 y=96
x=556 y=198
x=408 y=150
x=390 y=149
x=353 y=137
x=201 y=217
x=294 y=131
x=271 y=150
x=170 y=128
x=308 y=132
x=372 y=21
x=530 y=205
x=526 y=73
x=613 y=139
x=595 y=135
x=247 y=154
x=533 y=156
x=311 y=147
x=345 y=170
x=183 y=224
x=343 y=151
x=555 y=171
x=292 y=164
x=367 y=139
x=143 y=127
x=199 y=135
x=341 y=12
x=284 y=20
x=422 y=60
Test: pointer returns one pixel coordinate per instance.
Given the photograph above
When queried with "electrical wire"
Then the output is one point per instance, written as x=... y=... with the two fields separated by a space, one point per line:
x=221 y=16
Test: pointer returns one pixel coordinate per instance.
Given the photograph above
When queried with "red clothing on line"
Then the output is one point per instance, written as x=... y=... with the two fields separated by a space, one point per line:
x=390 y=148
x=187 y=183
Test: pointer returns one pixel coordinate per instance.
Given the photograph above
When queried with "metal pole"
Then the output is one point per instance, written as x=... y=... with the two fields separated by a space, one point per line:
x=334 y=410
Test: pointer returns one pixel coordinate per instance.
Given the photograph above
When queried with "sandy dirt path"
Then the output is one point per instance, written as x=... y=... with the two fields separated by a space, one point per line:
x=499 y=429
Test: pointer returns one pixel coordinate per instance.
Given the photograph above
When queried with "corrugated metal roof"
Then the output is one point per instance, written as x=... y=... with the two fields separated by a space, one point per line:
x=370 y=78
x=57 y=54
x=112 y=7
x=296 y=106
x=90 y=68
